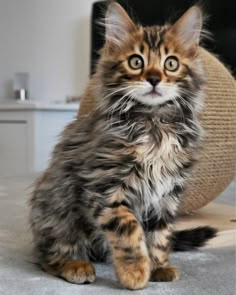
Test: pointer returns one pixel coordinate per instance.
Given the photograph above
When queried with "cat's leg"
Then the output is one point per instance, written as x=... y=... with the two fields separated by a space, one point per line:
x=60 y=246
x=60 y=234
x=159 y=240
x=65 y=260
x=128 y=245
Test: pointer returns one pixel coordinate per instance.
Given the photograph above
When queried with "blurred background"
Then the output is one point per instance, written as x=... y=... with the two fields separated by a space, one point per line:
x=50 y=40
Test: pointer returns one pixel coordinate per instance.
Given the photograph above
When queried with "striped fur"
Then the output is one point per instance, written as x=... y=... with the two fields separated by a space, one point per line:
x=114 y=183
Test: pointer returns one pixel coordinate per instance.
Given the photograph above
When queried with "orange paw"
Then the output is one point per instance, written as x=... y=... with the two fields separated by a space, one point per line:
x=134 y=275
x=78 y=272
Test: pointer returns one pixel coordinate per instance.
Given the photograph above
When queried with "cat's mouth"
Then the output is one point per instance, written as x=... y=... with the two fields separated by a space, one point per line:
x=153 y=93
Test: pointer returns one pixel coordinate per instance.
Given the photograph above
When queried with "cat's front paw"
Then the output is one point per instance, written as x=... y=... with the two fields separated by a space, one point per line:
x=165 y=274
x=78 y=272
x=134 y=275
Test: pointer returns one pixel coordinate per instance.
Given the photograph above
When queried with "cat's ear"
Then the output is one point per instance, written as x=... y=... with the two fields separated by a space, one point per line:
x=188 y=28
x=118 y=25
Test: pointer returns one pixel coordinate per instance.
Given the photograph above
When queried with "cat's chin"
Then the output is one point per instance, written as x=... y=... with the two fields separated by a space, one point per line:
x=152 y=99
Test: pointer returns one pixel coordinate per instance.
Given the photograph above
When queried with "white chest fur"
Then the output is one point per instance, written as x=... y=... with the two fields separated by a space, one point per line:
x=160 y=165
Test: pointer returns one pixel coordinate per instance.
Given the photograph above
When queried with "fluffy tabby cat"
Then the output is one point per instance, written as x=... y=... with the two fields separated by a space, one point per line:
x=114 y=184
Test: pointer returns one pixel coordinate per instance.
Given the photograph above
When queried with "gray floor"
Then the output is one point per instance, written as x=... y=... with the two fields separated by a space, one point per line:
x=203 y=272
x=228 y=197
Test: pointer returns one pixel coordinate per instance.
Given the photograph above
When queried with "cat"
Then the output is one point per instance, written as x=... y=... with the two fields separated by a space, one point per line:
x=114 y=184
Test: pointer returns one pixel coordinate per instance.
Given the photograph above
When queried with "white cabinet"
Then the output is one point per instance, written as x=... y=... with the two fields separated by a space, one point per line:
x=13 y=142
x=28 y=133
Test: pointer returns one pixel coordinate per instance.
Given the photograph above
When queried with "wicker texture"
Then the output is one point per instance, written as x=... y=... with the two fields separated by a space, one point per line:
x=216 y=167
x=217 y=164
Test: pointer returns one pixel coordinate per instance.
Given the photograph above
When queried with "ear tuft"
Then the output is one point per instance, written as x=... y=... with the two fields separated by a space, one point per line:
x=188 y=28
x=118 y=25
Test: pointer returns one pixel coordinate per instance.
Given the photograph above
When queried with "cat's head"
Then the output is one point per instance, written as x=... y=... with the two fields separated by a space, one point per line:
x=152 y=65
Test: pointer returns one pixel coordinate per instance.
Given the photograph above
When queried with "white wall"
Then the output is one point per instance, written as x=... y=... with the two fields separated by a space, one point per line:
x=50 y=39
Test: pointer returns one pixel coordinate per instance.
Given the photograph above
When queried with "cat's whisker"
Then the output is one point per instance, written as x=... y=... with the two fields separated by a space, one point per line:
x=125 y=107
x=118 y=106
x=116 y=91
x=126 y=98
x=117 y=103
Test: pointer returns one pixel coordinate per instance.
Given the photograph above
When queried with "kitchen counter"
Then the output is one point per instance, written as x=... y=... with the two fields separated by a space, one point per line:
x=13 y=105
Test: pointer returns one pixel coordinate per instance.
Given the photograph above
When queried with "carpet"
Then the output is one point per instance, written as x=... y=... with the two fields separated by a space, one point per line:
x=208 y=271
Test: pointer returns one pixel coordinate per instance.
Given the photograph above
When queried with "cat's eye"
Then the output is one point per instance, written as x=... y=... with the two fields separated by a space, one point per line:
x=136 y=62
x=171 y=64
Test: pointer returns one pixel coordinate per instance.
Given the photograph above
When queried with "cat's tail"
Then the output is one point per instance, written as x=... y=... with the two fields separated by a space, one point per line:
x=193 y=238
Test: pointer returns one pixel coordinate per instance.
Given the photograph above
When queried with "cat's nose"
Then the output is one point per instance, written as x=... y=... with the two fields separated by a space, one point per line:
x=154 y=80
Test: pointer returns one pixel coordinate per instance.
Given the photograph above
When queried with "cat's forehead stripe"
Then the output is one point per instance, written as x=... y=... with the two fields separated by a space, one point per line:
x=141 y=48
x=153 y=36
x=166 y=50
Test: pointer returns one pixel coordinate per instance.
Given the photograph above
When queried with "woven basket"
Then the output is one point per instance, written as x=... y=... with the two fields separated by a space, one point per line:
x=217 y=165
